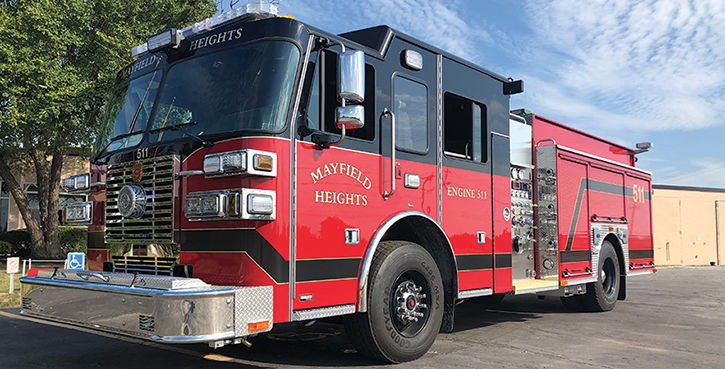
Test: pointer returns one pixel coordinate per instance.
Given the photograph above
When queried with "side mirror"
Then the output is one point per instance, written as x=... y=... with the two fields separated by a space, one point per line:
x=351 y=77
x=350 y=117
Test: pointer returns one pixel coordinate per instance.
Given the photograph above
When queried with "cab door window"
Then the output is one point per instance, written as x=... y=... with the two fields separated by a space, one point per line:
x=464 y=130
x=410 y=105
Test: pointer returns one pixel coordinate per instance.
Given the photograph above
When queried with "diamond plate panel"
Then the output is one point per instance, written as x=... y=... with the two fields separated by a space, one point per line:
x=165 y=283
x=546 y=213
x=310 y=314
x=252 y=304
x=599 y=233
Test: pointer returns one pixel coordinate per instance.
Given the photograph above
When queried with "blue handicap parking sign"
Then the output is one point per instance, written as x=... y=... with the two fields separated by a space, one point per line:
x=76 y=260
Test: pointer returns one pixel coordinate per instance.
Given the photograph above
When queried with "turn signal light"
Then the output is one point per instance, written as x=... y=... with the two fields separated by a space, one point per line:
x=258 y=326
x=263 y=162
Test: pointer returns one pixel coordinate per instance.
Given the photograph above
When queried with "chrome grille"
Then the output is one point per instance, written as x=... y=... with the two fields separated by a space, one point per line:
x=26 y=304
x=143 y=264
x=146 y=323
x=156 y=225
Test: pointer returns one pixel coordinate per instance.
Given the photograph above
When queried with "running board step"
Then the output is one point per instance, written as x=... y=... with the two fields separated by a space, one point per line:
x=535 y=285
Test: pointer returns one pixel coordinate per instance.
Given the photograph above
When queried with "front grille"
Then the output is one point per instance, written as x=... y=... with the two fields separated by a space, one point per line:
x=26 y=304
x=156 y=225
x=146 y=323
x=143 y=264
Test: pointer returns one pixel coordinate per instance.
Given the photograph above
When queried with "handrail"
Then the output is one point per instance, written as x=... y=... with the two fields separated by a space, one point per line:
x=387 y=195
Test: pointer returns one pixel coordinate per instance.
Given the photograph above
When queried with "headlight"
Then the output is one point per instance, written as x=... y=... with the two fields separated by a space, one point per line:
x=230 y=204
x=260 y=204
x=79 y=212
x=236 y=162
x=212 y=164
x=79 y=182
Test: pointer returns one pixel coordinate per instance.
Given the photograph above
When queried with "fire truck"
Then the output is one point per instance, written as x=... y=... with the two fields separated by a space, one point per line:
x=258 y=171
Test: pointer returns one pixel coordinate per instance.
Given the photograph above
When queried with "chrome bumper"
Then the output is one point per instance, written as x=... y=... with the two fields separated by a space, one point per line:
x=159 y=308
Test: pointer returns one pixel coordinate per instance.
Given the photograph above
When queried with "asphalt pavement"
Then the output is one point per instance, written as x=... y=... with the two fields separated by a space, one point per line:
x=673 y=319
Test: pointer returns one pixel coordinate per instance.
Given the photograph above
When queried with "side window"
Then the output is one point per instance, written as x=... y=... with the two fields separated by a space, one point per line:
x=464 y=128
x=410 y=105
x=323 y=99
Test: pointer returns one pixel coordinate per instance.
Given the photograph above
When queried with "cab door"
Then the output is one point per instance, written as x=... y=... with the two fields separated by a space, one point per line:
x=472 y=106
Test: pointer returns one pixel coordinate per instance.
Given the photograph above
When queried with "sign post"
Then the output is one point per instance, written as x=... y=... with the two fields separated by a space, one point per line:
x=13 y=266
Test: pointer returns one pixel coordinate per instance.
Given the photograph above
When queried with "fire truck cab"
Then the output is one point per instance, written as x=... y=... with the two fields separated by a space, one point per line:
x=301 y=175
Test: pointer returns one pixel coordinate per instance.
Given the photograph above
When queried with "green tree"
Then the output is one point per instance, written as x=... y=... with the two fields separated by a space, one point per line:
x=58 y=60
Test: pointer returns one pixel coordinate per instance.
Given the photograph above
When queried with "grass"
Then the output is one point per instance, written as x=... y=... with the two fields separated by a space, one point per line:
x=9 y=300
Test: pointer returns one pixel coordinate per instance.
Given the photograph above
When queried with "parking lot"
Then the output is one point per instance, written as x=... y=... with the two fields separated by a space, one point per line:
x=675 y=318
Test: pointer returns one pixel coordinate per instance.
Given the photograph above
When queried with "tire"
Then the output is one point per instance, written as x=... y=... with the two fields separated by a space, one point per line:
x=602 y=294
x=574 y=303
x=405 y=305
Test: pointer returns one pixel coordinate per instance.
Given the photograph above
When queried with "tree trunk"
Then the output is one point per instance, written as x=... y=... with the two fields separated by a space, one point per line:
x=34 y=230
x=50 y=228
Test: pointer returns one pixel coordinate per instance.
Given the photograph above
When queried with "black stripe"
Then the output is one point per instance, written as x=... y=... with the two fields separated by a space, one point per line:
x=606 y=187
x=575 y=256
x=575 y=219
x=641 y=254
x=503 y=261
x=97 y=241
x=318 y=270
x=474 y=262
x=233 y=240
x=501 y=155
x=647 y=196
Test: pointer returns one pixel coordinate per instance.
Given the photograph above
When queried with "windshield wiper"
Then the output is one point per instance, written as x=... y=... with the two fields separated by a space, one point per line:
x=112 y=140
x=179 y=127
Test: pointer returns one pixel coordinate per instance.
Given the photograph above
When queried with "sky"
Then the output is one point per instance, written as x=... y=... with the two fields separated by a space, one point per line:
x=627 y=71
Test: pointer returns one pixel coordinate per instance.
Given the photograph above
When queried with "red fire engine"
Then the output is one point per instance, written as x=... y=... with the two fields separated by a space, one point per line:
x=301 y=175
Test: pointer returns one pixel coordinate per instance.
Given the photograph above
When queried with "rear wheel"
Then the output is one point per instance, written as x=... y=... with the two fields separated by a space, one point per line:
x=405 y=304
x=602 y=294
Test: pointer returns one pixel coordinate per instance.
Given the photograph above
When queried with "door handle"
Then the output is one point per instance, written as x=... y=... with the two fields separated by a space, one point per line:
x=386 y=194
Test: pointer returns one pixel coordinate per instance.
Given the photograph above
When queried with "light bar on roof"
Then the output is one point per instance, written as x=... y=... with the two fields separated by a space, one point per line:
x=255 y=7
x=163 y=39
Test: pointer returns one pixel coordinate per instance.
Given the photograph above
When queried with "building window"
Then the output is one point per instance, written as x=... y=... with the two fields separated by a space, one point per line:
x=464 y=128
x=410 y=105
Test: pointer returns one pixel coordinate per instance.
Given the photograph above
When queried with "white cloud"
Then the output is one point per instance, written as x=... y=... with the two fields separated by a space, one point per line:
x=692 y=174
x=436 y=22
x=641 y=65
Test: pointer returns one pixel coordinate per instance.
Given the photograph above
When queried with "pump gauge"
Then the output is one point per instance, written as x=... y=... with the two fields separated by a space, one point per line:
x=514 y=173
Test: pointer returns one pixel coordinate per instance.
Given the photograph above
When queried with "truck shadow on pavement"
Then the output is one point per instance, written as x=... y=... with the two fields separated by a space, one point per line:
x=326 y=344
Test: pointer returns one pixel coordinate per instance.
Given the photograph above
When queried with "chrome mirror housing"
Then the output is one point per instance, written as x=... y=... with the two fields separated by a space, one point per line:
x=350 y=117
x=351 y=77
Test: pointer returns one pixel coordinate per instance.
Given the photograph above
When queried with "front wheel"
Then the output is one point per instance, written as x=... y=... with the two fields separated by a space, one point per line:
x=405 y=305
x=602 y=294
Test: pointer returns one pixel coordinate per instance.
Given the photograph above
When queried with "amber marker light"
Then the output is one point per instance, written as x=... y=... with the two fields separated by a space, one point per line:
x=263 y=162
x=258 y=326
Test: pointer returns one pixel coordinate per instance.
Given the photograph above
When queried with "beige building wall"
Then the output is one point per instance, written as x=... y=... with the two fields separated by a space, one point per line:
x=72 y=165
x=688 y=225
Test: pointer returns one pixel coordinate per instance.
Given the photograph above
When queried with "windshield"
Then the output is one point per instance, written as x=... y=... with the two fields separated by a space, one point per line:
x=244 y=88
x=127 y=113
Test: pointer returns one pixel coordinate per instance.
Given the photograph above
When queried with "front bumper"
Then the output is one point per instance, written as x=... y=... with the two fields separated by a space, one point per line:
x=159 y=308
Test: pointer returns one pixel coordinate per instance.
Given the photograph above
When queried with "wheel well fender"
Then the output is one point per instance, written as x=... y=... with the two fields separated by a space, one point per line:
x=615 y=241
x=421 y=229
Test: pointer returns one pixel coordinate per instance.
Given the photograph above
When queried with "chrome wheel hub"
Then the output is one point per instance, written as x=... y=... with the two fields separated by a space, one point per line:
x=409 y=299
